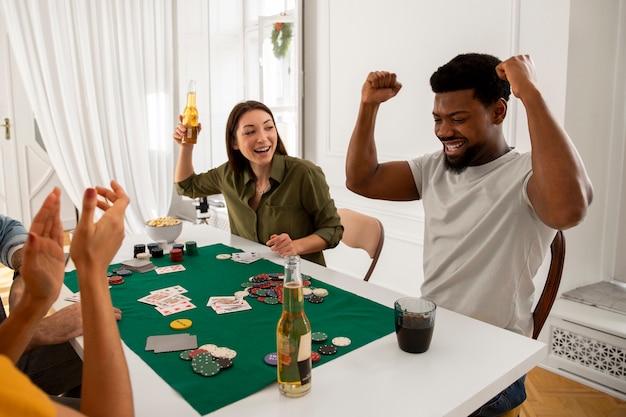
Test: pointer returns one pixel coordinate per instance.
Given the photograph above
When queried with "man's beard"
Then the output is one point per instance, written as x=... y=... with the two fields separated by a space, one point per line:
x=460 y=164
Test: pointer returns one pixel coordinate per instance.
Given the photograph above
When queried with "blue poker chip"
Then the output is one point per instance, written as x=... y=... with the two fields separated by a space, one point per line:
x=123 y=272
x=271 y=359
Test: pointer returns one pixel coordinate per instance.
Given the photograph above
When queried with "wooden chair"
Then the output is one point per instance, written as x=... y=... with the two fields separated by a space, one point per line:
x=363 y=232
x=551 y=287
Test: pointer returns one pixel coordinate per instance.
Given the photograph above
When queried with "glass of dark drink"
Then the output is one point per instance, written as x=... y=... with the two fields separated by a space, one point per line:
x=415 y=322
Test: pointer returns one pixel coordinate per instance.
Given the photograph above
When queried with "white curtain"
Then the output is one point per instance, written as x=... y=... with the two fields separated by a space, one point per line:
x=99 y=77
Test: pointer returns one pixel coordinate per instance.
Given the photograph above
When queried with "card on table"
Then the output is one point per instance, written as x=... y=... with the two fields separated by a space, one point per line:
x=171 y=343
x=169 y=269
x=228 y=304
x=245 y=257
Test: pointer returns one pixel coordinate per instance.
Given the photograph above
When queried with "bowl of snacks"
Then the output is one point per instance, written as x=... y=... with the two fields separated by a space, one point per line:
x=164 y=228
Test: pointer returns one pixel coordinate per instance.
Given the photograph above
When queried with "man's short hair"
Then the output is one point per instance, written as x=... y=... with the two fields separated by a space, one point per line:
x=472 y=71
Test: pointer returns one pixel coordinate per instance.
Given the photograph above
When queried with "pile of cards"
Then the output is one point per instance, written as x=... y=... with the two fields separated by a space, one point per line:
x=138 y=265
x=168 y=300
x=171 y=342
x=245 y=257
x=228 y=304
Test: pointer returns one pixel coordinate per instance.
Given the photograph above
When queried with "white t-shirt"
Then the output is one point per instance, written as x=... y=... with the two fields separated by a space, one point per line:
x=483 y=242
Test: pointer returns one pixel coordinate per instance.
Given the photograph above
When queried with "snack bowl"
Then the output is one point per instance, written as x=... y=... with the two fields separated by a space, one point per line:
x=164 y=228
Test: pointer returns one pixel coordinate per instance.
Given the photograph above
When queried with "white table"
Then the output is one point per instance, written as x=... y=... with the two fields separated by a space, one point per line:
x=467 y=364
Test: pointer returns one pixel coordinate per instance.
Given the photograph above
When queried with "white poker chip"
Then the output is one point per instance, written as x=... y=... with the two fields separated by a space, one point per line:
x=209 y=347
x=320 y=292
x=224 y=352
x=341 y=341
x=223 y=256
x=241 y=294
x=307 y=291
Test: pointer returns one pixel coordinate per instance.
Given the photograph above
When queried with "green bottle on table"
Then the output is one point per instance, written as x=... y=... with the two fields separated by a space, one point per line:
x=293 y=335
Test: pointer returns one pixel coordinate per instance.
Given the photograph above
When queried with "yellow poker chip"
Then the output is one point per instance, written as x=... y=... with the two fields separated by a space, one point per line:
x=180 y=324
x=223 y=256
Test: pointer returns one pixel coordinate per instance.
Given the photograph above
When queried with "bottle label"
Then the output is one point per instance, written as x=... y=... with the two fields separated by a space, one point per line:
x=304 y=358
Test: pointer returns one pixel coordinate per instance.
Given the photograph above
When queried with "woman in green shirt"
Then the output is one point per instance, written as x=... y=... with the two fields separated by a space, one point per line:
x=272 y=198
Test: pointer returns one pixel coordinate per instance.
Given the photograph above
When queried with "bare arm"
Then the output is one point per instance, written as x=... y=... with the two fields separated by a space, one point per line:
x=283 y=245
x=184 y=165
x=105 y=372
x=364 y=174
x=559 y=189
x=42 y=272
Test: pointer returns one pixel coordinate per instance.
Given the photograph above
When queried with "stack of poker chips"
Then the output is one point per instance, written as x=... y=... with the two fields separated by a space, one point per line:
x=176 y=255
x=191 y=248
x=139 y=248
x=155 y=250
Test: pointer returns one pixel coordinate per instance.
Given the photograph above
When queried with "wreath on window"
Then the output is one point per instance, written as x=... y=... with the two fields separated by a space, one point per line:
x=281 y=39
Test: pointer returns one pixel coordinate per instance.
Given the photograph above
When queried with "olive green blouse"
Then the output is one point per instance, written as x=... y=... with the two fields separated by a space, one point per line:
x=298 y=202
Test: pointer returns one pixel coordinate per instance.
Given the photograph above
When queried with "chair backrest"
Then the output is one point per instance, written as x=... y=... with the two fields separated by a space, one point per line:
x=551 y=287
x=363 y=232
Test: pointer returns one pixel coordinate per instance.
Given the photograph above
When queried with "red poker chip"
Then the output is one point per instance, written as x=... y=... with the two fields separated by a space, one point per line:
x=196 y=352
x=116 y=280
x=315 y=357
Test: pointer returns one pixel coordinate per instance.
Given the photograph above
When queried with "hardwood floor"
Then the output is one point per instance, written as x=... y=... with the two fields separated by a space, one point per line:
x=551 y=395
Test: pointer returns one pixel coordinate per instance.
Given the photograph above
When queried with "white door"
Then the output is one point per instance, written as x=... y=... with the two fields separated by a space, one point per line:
x=26 y=173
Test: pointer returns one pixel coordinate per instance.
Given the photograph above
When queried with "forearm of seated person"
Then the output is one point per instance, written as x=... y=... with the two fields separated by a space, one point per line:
x=310 y=244
x=59 y=327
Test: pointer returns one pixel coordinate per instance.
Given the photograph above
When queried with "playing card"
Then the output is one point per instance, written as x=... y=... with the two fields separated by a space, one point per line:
x=171 y=343
x=245 y=257
x=228 y=304
x=173 y=289
x=176 y=308
x=169 y=269
x=73 y=298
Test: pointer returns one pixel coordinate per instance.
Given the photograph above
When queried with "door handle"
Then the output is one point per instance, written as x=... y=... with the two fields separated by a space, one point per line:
x=7 y=128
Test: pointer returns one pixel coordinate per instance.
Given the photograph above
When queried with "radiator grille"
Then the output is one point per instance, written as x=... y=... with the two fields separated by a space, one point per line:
x=591 y=353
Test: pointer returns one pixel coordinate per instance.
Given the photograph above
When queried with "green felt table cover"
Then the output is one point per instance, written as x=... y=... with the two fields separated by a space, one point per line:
x=251 y=333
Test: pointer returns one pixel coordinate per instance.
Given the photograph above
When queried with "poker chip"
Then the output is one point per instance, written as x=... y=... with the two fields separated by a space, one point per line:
x=123 y=272
x=315 y=299
x=318 y=337
x=241 y=294
x=223 y=256
x=209 y=347
x=143 y=255
x=180 y=324
x=261 y=292
x=157 y=252
x=341 y=341
x=224 y=363
x=271 y=359
x=307 y=292
x=116 y=280
x=185 y=355
x=327 y=350
x=320 y=292
x=204 y=365
x=224 y=352
x=271 y=300
x=315 y=357
x=196 y=352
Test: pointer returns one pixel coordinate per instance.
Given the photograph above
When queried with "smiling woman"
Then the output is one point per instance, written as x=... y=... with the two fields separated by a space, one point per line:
x=272 y=198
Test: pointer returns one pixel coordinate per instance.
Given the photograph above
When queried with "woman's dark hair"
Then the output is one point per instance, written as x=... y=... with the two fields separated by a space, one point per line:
x=236 y=160
x=472 y=71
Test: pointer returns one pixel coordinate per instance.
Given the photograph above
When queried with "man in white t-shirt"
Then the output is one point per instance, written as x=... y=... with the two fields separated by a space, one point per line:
x=490 y=212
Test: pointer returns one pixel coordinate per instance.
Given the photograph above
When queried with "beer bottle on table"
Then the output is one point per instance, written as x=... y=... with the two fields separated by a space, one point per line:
x=293 y=335
x=190 y=115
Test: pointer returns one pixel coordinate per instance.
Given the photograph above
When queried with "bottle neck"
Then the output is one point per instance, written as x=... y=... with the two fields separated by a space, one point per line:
x=191 y=99
x=292 y=271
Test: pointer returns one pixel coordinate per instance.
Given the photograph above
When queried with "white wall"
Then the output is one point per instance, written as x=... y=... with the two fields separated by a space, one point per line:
x=573 y=44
